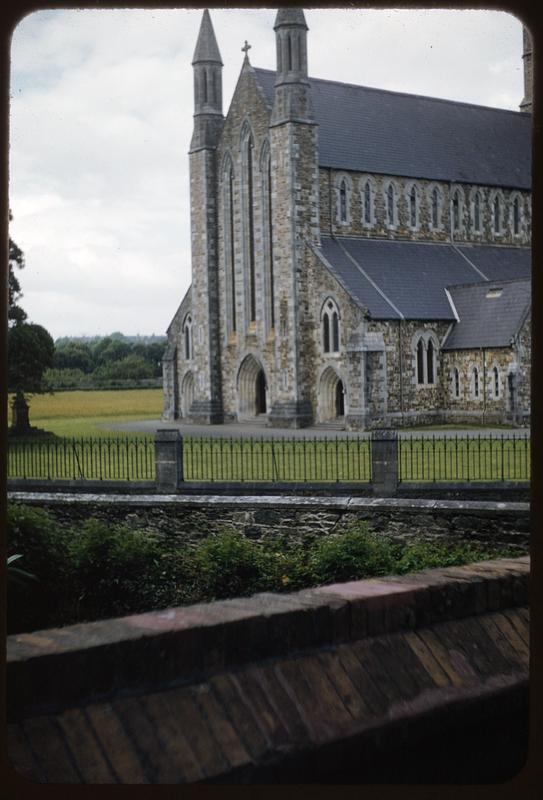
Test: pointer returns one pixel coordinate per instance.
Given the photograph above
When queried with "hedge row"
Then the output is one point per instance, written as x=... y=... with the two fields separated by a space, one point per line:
x=100 y=570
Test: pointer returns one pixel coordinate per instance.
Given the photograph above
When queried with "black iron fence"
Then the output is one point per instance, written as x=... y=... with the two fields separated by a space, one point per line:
x=111 y=458
x=464 y=458
x=271 y=460
x=277 y=459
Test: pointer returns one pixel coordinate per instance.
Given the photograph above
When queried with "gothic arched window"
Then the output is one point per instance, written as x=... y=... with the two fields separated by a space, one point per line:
x=516 y=216
x=456 y=382
x=436 y=207
x=267 y=229
x=187 y=337
x=249 y=222
x=343 y=201
x=456 y=210
x=391 y=204
x=326 y=333
x=368 y=215
x=424 y=351
x=335 y=332
x=330 y=327
x=229 y=242
x=497 y=208
x=413 y=207
x=420 y=361
x=430 y=362
x=475 y=381
x=477 y=212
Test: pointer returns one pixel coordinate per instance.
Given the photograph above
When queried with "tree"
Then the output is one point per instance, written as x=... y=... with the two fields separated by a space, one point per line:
x=16 y=261
x=74 y=356
x=131 y=367
x=30 y=352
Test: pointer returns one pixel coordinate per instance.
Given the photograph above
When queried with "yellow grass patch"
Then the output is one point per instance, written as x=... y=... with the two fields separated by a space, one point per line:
x=82 y=413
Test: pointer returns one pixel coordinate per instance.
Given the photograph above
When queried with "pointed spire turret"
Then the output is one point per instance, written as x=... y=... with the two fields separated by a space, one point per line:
x=292 y=91
x=207 y=65
x=527 y=101
x=206 y=47
x=290 y=16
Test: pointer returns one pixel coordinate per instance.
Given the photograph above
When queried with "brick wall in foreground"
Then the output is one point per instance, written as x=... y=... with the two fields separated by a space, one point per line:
x=271 y=688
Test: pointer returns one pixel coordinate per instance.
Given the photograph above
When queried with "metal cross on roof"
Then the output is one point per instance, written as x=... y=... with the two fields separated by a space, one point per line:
x=246 y=47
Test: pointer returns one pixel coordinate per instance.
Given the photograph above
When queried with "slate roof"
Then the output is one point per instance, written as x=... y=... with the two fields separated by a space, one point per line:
x=487 y=320
x=390 y=133
x=395 y=279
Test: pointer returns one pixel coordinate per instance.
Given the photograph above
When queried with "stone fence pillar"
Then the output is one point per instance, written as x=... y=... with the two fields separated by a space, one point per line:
x=384 y=461
x=168 y=459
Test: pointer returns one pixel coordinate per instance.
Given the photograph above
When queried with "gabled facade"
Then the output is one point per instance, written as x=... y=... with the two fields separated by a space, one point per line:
x=332 y=254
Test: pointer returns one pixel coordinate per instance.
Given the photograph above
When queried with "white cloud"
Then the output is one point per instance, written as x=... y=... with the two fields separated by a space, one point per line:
x=101 y=121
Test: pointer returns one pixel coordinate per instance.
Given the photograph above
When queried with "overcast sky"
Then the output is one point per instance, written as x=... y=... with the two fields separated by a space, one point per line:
x=101 y=119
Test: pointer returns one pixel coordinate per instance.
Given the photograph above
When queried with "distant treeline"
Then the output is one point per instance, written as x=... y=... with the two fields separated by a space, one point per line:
x=99 y=362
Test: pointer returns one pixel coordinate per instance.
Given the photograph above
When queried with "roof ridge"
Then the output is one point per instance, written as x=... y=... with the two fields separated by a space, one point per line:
x=408 y=94
x=454 y=245
x=488 y=284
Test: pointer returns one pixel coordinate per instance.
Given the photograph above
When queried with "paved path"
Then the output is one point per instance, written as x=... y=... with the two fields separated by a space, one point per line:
x=257 y=428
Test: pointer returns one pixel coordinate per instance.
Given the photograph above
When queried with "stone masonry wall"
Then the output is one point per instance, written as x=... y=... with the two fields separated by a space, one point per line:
x=248 y=106
x=307 y=520
x=524 y=369
x=331 y=224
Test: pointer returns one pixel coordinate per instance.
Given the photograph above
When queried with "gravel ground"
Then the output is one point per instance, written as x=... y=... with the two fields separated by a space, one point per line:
x=258 y=428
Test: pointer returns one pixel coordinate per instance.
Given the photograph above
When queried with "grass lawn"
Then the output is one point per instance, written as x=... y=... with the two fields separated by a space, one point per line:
x=453 y=458
x=82 y=413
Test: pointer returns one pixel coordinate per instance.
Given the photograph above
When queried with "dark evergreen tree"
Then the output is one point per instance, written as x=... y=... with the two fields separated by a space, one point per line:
x=16 y=261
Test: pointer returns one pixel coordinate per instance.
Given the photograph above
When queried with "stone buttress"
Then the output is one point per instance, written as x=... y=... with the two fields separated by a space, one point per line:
x=208 y=125
x=295 y=188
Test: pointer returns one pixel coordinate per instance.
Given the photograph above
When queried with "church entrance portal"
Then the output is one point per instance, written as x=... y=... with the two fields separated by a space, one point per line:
x=251 y=388
x=260 y=393
x=331 y=403
x=340 y=401
x=187 y=393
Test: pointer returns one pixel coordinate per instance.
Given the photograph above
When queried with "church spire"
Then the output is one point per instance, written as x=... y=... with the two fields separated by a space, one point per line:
x=291 y=38
x=207 y=66
x=206 y=47
x=292 y=91
x=527 y=101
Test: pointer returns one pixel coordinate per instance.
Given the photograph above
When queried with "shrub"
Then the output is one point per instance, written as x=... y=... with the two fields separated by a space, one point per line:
x=35 y=535
x=102 y=570
x=65 y=378
x=428 y=554
x=352 y=555
x=116 y=570
x=228 y=564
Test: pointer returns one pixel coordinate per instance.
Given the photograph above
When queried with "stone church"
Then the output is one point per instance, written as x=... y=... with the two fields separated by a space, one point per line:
x=359 y=257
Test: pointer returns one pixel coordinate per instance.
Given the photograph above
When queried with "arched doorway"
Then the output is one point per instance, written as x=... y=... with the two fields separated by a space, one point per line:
x=252 y=386
x=187 y=394
x=340 y=399
x=260 y=404
x=331 y=399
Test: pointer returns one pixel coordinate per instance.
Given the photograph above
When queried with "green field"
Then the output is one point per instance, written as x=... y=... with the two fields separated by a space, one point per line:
x=84 y=413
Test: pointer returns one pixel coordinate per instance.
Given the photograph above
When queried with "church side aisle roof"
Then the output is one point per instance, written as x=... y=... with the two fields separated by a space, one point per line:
x=490 y=313
x=378 y=131
x=402 y=278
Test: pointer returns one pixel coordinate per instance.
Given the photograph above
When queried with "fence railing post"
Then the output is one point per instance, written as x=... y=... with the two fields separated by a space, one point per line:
x=168 y=459
x=384 y=461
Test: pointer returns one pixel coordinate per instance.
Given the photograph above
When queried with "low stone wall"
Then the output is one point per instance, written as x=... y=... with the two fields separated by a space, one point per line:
x=188 y=519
